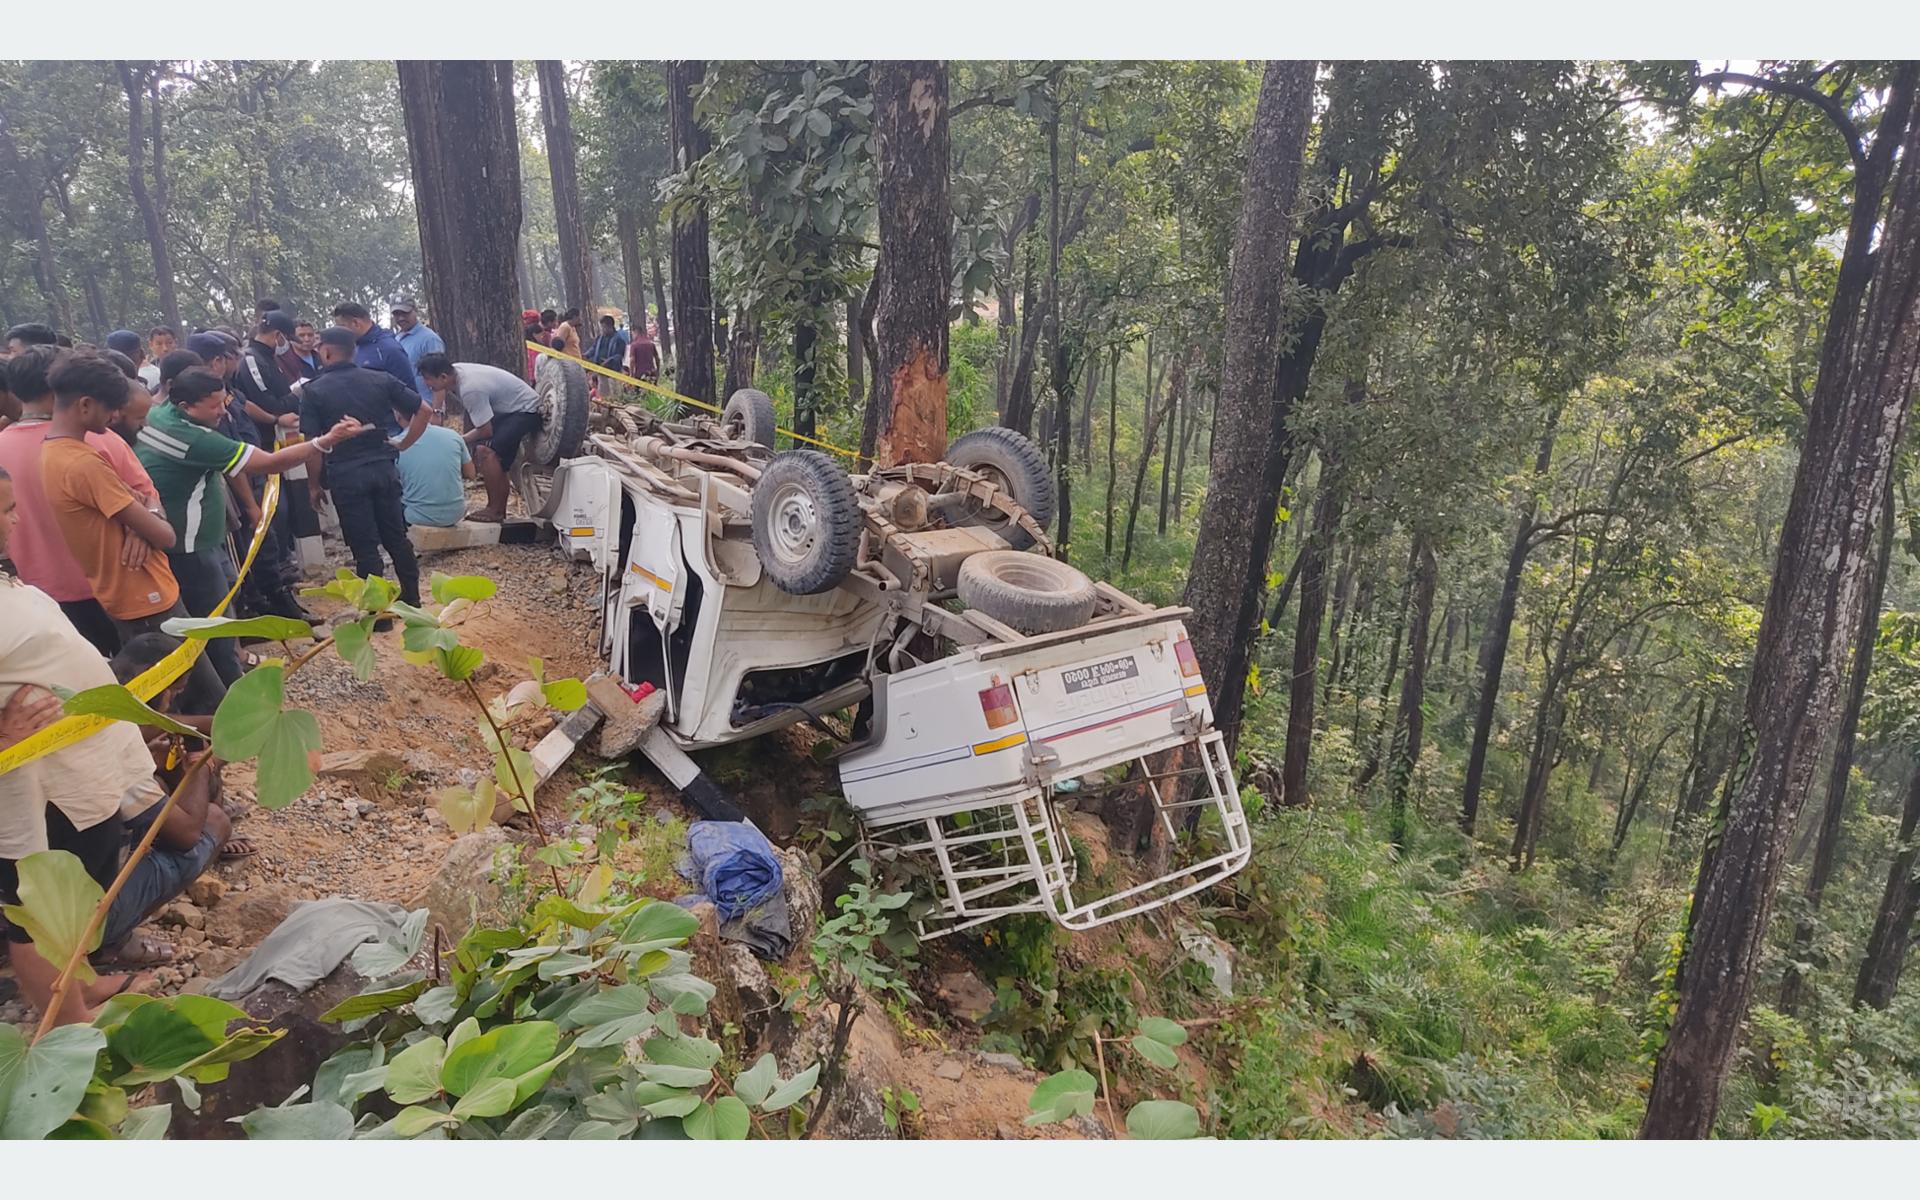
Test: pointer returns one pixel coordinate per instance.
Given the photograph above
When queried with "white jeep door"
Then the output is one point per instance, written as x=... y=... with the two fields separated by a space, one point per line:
x=655 y=570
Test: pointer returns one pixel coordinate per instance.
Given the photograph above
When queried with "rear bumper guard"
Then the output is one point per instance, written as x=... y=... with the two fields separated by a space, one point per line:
x=999 y=859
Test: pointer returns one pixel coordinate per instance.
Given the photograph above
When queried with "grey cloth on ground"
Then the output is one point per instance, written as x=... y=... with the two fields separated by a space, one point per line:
x=316 y=937
x=766 y=929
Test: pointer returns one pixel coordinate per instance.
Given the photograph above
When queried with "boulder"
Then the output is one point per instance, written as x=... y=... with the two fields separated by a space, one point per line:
x=964 y=995
x=207 y=891
x=802 y=889
x=464 y=891
x=374 y=774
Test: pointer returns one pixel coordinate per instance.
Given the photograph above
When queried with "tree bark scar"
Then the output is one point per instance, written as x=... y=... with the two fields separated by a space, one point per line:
x=916 y=426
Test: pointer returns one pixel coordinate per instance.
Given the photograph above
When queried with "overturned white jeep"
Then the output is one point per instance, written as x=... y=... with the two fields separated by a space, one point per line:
x=989 y=682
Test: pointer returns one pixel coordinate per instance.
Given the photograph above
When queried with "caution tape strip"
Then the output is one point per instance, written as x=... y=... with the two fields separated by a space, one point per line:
x=155 y=679
x=670 y=394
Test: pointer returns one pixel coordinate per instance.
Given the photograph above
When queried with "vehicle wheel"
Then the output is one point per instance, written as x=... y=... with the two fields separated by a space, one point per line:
x=806 y=522
x=1016 y=466
x=1030 y=592
x=564 y=409
x=749 y=417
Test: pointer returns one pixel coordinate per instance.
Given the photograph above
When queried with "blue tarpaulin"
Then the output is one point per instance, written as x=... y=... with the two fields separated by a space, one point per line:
x=733 y=864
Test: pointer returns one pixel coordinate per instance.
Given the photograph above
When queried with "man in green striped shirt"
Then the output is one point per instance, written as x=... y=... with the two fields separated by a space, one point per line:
x=190 y=462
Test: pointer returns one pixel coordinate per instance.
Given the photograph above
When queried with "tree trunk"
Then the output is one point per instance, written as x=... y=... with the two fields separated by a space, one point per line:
x=1630 y=803
x=1549 y=719
x=1841 y=771
x=1230 y=549
x=1892 y=932
x=1327 y=509
x=1410 y=723
x=576 y=251
x=915 y=213
x=1019 y=412
x=856 y=351
x=1870 y=356
x=1377 y=747
x=464 y=146
x=633 y=269
x=743 y=350
x=692 y=286
x=152 y=206
x=524 y=268
x=1155 y=417
x=1113 y=434
x=1166 y=459
x=663 y=328
x=1089 y=387
x=1187 y=426
x=1493 y=647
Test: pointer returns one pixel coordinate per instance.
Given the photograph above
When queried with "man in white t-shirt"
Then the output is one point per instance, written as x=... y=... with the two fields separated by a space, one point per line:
x=75 y=798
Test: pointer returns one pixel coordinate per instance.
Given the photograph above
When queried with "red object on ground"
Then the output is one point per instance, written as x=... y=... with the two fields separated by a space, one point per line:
x=639 y=691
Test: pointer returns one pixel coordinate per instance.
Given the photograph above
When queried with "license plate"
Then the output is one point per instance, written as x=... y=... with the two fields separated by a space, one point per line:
x=1100 y=674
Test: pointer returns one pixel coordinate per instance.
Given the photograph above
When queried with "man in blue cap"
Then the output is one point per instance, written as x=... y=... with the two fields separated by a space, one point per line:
x=416 y=339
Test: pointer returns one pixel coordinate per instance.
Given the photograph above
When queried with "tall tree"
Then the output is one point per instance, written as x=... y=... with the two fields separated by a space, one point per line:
x=1870 y=355
x=914 y=267
x=576 y=251
x=141 y=82
x=1892 y=936
x=465 y=151
x=692 y=280
x=1229 y=554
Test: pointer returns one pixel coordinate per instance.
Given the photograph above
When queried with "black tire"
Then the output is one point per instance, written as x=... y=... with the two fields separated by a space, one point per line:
x=564 y=411
x=806 y=522
x=749 y=417
x=1030 y=592
x=1012 y=461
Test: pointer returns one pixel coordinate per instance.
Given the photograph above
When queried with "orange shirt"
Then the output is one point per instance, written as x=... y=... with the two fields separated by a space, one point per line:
x=85 y=494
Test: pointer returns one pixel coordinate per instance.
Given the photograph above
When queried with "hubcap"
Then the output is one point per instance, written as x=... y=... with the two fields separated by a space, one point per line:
x=793 y=525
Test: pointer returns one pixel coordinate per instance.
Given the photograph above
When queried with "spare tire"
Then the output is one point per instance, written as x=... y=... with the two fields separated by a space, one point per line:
x=749 y=417
x=564 y=410
x=1012 y=461
x=1030 y=592
x=806 y=522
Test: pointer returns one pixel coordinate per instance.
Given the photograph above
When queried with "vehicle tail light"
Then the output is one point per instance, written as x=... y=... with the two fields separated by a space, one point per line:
x=1189 y=662
x=996 y=703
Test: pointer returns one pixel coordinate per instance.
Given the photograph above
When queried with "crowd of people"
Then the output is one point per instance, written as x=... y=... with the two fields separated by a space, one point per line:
x=132 y=478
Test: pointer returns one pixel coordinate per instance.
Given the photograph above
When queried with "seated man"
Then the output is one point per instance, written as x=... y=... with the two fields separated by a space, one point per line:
x=195 y=831
x=431 y=472
x=502 y=411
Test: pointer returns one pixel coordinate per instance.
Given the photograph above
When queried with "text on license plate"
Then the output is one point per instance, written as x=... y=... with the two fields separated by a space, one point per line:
x=1093 y=675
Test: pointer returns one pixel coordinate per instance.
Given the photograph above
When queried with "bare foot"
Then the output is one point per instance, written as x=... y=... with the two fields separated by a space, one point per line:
x=106 y=987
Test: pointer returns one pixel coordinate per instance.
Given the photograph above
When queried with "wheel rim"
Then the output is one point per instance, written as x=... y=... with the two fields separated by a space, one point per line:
x=982 y=515
x=793 y=525
x=735 y=425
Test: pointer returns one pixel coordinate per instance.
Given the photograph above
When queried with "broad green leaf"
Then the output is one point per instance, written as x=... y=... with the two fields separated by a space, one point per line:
x=515 y=780
x=115 y=1010
x=44 y=1084
x=458 y=662
x=1061 y=1095
x=462 y=1033
x=155 y=1042
x=677 y=1050
x=600 y=1131
x=616 y=1031
x=533 y=1124
x=1157 y=1053
x=245 y=719
x=467 y=810
x=564 y=694
x=211 y=1067
x=559 y=909
x=684 y=994
x=757 y=1082
x=527 y=1083
x=566 y=963
x=447 y=588
x=1163 y=1120
x=612 y=1004
x=277 y=629
x=148 y=1124
x=506 y=1051
x=1167 y=1033
x=414 y=1073
x=285 y=772
x=437 y=1004
x=376 y=593
x=416 y=1120
x=318 y=1120
x=659 y=925
x=354 y=642
x=488 y=1098
x=675 y=1076
x=211 y=1014
x=672 y=1106
x=341 y=1079
x=104 y=1103
x=726 y=1120
x=57 y=899
x=792 y=1091
x=366 y=1004
x=427 y=639
x=80 y=1128
x=119 y=704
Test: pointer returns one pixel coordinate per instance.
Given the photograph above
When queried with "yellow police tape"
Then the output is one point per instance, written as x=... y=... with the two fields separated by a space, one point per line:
x=155 y=679
x=670 y=394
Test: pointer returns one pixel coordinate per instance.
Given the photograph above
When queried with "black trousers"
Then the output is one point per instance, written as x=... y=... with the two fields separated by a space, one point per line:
x=205 y=689
x=204 y=577
x=93 y=624
x=367 y=497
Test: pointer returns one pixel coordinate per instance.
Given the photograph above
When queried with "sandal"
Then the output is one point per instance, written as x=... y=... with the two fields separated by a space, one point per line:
x=137 y=951
x=237 y=848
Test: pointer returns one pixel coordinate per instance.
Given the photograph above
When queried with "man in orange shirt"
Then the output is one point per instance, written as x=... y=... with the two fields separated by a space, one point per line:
x=113 y=537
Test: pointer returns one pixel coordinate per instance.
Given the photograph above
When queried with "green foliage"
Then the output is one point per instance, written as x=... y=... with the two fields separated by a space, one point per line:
x=57 y=903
